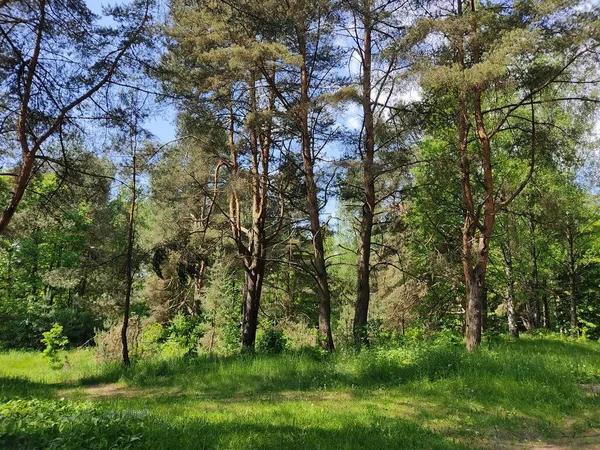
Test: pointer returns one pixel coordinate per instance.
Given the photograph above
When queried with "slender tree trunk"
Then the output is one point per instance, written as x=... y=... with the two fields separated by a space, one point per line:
x=572 y=283
x=368 y=209
x=546 y=324
x=320 y=267
x=198 y=286
x=510 y=292
x=533 y=305
x=128 y=265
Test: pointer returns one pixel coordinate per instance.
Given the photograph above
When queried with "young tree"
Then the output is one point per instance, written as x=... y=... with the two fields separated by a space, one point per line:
x=131 y=147
x=374 y=27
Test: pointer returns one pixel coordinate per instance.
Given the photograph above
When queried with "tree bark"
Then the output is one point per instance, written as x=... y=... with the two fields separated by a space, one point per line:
x=320 y=267
x=253 y=282
x=572 y=282
x=128 y=265
x=368 y=209
x=509 y=297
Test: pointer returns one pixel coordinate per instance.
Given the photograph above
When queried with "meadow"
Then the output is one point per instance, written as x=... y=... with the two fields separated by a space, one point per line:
x=534 y=393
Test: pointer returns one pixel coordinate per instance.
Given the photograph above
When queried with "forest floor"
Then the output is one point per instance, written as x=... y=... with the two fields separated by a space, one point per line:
x=535 y=394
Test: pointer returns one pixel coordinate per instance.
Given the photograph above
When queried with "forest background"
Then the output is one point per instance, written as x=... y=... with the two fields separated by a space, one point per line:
x=342 y=173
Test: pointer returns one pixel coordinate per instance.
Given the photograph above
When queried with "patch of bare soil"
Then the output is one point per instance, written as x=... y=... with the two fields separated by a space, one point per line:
x=591 y=390
x=580 y=442
x=117 y=390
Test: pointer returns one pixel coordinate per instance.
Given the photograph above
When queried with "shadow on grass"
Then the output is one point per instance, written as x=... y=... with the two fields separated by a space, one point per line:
x=380 y=433
x=18 y=387
x=528 y=386
x=554 y=346
x=156 y=434
x=502 y=384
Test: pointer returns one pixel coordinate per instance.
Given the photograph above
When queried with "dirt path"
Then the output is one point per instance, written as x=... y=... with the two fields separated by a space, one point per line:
x=581 y=442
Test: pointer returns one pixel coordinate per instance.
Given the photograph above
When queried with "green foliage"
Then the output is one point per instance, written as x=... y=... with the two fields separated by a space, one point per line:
x=65 y=425
x=151 y=338
x=271 y=340
x=185 y=331
x=55 y=341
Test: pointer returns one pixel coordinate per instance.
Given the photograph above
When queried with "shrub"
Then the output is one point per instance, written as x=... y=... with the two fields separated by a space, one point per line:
x=151 y=337
x=55 y=341
x=271 y=340
x=186 y=331
x=108 y=343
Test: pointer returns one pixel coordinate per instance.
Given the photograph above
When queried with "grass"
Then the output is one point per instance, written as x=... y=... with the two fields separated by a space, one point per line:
x=426 y=396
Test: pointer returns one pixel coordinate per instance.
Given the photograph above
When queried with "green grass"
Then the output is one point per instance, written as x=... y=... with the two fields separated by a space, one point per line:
x=427 y=396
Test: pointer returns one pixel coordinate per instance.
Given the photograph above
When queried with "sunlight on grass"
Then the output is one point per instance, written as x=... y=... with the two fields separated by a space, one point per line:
x=418 y=396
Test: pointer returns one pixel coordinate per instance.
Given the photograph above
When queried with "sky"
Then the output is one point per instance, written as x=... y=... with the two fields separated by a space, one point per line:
x=162 y=124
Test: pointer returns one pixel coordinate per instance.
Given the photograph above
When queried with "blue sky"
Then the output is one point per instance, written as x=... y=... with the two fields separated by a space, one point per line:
x=162 y=125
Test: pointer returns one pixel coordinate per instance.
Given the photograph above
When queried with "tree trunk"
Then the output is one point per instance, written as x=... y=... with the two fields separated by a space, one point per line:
x=475 y=262
x=572 y=283
x=23 y=126
x=251 y=304
x=255 y=252
x=510 y=293
x=546 y=324
x=475 y=291
x=128 y=266
x=198 y=286
x=325 y=335
x=368 y=209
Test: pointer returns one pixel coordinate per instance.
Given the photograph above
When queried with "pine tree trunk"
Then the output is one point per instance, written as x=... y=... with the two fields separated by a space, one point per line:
x=510 y=294
x=363 y=287
x=253 y=282
x=325 y=335
x=363 y=296
x=255 y=252
x=475 y=263
x=475 y=292
x=128 y=267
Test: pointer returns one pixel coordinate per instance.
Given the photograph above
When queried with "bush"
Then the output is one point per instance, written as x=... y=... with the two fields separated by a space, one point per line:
x=55 y=341
x=108 y=343
x=186 y=332
x=271 y=340
x=151 y=338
